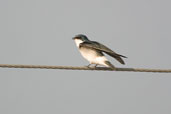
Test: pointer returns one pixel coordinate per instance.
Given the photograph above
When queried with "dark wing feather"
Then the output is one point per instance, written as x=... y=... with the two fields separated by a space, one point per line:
x=103 y=48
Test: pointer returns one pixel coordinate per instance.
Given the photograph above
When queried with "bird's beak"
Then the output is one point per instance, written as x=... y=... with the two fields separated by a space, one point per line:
x=73 y=38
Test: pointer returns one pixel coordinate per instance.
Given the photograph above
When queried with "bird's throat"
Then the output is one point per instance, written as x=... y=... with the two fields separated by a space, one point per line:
x=77 y=41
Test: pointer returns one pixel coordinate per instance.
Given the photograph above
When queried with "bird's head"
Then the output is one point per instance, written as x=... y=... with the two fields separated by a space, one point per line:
x=80 y=39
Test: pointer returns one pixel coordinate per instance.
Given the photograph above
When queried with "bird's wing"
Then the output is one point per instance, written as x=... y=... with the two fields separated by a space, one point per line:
x=103 y=48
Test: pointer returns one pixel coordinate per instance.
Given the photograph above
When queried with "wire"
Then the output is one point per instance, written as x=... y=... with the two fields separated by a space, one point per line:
x=85 y=68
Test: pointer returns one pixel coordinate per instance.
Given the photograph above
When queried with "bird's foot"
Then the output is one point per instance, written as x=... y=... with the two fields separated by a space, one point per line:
x=88 y=65
x=95 y=66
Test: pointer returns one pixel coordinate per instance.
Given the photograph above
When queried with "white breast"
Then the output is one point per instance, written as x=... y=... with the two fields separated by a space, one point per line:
x=91 y=55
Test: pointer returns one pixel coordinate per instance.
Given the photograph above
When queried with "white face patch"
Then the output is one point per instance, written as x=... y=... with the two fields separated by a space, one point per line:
x=77 y=41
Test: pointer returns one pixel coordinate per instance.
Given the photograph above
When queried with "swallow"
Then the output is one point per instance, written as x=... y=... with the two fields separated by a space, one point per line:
x=94 y=51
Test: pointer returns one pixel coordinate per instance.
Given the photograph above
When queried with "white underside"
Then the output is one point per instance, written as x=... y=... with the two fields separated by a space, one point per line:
x=91 y=55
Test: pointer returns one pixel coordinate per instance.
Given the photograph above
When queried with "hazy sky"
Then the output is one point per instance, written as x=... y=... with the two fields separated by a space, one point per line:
x=40 y=32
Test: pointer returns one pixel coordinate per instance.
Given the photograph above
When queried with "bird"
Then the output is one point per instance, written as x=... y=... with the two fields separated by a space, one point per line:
x=94 y=51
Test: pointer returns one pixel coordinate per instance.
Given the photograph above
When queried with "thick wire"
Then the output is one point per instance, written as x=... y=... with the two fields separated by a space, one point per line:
x=85 y=68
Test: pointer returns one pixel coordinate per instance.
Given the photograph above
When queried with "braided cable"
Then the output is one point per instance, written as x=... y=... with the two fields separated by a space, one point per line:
x=85 y=68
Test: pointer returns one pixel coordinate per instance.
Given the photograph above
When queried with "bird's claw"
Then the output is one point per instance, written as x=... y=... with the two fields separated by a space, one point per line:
x=92 y=66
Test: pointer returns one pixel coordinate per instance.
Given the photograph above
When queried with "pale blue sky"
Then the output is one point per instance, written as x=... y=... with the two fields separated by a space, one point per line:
x=40 y=32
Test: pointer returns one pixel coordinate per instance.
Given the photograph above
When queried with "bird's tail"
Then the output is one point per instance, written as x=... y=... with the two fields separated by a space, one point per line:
x=120 y=59
x=117 y=57
x=110 y=65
